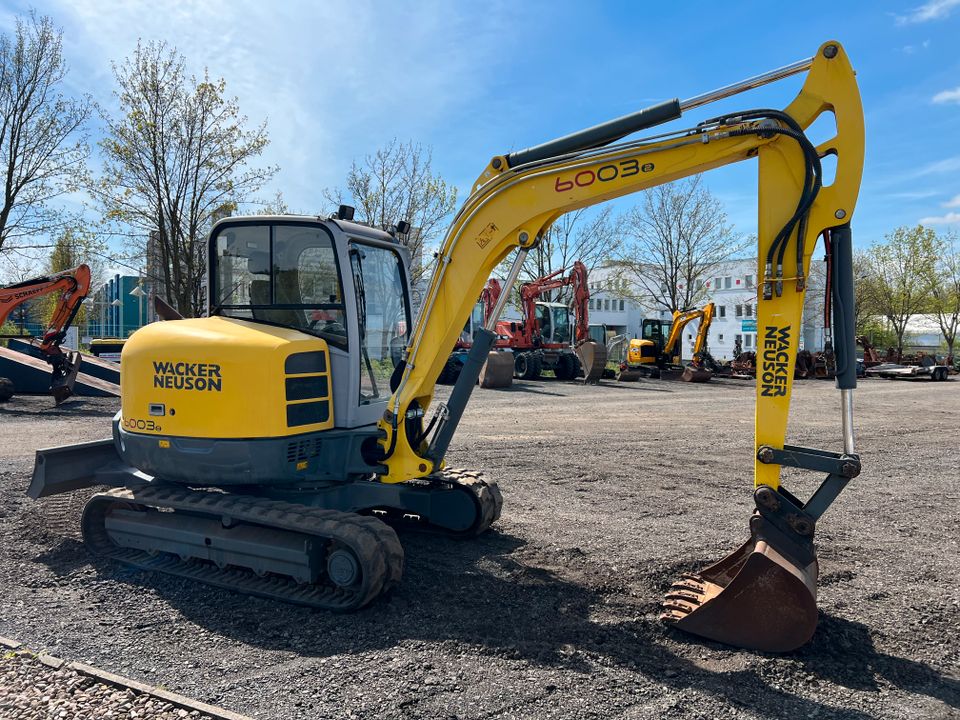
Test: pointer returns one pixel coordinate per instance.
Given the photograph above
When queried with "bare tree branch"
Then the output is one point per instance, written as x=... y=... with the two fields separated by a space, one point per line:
x=43 y=149
x=674 y=239
x=397 y=182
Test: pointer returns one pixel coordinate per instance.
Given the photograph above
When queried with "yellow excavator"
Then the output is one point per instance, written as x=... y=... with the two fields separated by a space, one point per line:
x=272 y=446
x=652 y=356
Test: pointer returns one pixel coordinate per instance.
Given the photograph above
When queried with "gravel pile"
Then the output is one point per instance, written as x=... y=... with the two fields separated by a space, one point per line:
x=30 y=690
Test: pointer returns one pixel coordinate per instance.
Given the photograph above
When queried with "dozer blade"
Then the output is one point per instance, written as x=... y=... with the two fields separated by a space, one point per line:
x=628 y=375
x=755 y=598
x=593 y=360
x=64 y=376
x=694 y=374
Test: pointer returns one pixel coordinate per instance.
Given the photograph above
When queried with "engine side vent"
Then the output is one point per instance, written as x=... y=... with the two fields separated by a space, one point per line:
x=300 y=450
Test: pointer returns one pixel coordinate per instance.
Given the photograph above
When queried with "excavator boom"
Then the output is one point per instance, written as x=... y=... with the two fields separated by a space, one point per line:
x=519 y=195
x=72 y=286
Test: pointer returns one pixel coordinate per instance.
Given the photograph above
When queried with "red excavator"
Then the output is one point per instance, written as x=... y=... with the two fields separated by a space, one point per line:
x=543 y=340
x=73 y=286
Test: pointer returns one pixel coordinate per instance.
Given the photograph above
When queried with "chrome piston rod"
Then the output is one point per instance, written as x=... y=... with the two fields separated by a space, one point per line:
x=846 y=404
x=508 y=283
x=748 y=84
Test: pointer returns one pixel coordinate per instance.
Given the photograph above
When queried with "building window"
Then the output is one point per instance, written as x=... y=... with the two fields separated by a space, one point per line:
x=720 y=337
x=621 y=306
x=721 y=311
x=748 y=310
x=749 y=342
x=717 y=284
x=738 y=309
x=748 y=281
x=738 y=340
x=727 y=282
x=606 y=304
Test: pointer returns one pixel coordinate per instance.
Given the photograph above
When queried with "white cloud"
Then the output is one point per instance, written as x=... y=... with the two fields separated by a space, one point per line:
x=335 y=80
x=955 y=202
x=947 y=96
x=950 y=164
x=913 y=194
x=932 y=10
x=948 y=219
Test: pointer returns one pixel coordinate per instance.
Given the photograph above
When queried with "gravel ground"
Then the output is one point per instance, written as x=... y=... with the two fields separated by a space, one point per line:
x=30 y=690
x=610 y=492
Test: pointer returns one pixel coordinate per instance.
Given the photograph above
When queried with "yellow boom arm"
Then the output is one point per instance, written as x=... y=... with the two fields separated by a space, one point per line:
x=680 y=320
x=511 y=207
x=706 y=318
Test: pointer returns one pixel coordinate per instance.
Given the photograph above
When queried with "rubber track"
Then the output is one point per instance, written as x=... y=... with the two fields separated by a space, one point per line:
x=375 y=544
x=486 y=495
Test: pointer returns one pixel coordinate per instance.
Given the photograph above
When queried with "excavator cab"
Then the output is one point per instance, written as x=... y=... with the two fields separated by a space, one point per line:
x=554 y=323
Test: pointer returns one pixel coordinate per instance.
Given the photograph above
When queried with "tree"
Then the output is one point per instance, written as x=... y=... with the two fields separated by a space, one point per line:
x=674 y=239
x=946 y=289
x=397 y=182
x=70 y=249
x=898 y=273
x=576 y=235
x=176 y=159
x=42 y=146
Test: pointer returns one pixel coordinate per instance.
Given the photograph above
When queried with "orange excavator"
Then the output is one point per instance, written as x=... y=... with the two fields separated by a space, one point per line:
x=73 y=286
x=543 y=340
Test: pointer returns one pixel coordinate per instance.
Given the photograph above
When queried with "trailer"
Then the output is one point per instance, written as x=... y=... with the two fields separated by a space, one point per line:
x=893 y=371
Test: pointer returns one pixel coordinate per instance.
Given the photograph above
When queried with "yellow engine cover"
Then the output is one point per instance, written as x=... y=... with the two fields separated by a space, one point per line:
x=641 y=352
x=224 y=378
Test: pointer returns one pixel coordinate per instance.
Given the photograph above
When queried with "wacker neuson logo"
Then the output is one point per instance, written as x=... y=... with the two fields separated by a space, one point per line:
x=776 y=361
x=187 y=376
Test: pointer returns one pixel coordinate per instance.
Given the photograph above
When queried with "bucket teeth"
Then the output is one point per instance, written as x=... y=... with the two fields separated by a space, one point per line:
x=753 y=598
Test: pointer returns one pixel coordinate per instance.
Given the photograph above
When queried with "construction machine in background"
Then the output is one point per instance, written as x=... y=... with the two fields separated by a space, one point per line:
x=658 y=353
x=545 y=339
x=72 y=287
x=290 y=492
x=478 y=316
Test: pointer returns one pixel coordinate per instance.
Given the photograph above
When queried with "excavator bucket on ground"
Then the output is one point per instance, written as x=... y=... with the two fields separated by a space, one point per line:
x=756 y=597
x=593 y=360
x=497 y=371
x=626 y=374
x=692 y=373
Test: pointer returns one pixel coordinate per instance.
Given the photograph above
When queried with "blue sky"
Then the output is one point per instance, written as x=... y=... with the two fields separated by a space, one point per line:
x=337 y=79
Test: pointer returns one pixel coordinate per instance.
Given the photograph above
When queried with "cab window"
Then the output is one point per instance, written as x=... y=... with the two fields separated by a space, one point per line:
x=281 y=275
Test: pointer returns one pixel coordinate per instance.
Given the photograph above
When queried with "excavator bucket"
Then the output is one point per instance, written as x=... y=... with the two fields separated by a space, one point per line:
x=626 y=374
x=757 y=597
x=497 y=371
x=64 y=376
x=593 y=360
x=692 y=373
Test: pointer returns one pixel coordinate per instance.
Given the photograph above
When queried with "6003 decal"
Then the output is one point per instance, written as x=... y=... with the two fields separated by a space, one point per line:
x=605 y=173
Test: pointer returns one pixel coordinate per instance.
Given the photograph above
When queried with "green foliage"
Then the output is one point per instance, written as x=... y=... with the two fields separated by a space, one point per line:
x=945 y=288
x=896 y=276
x=177 y=157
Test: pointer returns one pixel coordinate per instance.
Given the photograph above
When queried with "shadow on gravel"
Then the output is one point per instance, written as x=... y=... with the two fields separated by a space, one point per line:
x=842 y=652
x=505 y=598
